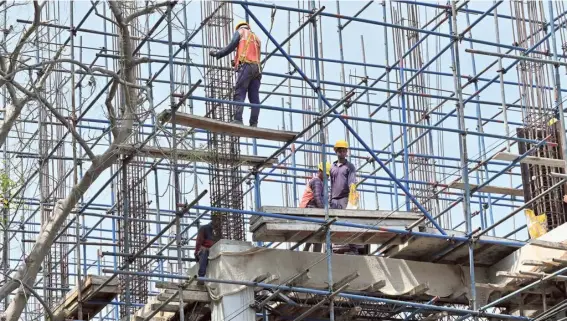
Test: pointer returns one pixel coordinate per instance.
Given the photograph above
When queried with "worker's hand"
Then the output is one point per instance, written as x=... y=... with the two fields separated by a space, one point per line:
x=196 y=256
x=213 y=53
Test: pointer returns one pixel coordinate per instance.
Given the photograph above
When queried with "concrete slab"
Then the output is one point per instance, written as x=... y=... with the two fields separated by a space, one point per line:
x=271 y=229
x=425 y=249
x=520 y=261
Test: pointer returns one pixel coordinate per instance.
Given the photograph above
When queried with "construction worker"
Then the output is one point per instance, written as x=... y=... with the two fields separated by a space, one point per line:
x=247 y=66
x=313 y=198
x=343 y=174
x=203 y=244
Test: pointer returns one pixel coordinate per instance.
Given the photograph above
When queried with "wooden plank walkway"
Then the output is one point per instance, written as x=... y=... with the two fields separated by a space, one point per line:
x=195 y=301
x=491 y=189
x=195 y=155
x=218 y=126
x=532 y=160
x=68 y=309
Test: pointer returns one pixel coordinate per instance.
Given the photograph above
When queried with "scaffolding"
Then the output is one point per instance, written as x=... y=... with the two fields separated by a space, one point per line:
x=453 y=113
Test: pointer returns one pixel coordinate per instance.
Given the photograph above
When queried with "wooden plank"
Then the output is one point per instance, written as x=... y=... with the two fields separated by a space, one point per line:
x=175 y=286
x=69 y=307
x=490 y=189
x=218 y=126
x=549 y=245
x=188 y=296
x=171 y=308
x=342 y=213
x=195 y=155
x=532 y=160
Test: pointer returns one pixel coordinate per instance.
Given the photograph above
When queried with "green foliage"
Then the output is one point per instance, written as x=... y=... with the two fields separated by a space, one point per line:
x=6 y=183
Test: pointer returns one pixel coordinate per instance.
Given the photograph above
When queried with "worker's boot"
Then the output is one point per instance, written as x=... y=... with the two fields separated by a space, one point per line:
x=253 y=125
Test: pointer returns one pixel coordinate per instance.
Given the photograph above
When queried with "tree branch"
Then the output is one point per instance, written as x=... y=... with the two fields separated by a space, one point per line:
x=57 y=115
x=146 y=10
x=11 y=75
x=14 y=57
x=29 y=270
x=110 y=107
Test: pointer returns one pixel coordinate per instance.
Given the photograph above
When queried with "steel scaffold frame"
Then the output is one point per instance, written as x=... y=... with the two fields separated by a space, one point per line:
x=328 y=110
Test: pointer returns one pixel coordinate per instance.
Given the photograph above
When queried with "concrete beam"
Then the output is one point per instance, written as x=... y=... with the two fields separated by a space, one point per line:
x=393 y=277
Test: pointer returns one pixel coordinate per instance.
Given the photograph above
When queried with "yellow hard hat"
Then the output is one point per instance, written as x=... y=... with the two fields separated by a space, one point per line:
x=327 y=167
x=240 y=24
x=341 y=144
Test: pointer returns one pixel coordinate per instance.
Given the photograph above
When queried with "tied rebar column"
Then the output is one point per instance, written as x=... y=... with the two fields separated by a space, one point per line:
x=56 y=264
x=539 y=116
x=224 y=176
x=415 y=107
x=132 y=200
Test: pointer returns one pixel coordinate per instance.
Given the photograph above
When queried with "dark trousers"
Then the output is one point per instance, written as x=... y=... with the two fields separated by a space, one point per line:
x=248 y=81
x=316 y=247
x=203 y=262
x=342 y=203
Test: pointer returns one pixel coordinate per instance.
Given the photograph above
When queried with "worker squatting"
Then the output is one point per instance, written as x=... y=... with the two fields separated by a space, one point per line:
x=341 y=172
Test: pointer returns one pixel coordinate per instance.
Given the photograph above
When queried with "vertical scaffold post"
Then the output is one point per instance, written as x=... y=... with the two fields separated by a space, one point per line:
x=463 y=146
x=322 y=141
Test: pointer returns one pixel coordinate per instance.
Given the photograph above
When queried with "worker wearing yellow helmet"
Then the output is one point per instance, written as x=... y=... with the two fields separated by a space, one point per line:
x=313 y=197
x=342 y=176
x=247 y=66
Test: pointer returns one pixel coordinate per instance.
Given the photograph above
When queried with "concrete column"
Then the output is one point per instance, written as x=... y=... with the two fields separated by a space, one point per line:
x=235 y=307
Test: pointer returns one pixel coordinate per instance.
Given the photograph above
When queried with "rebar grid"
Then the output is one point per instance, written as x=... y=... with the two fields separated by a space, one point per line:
x=224 y=176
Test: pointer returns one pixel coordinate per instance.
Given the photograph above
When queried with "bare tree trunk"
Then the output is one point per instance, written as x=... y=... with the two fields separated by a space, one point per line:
x=29 y=270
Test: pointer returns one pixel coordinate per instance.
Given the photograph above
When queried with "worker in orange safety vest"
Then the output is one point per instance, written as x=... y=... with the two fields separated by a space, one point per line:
x=313 y=198
x=247 y=66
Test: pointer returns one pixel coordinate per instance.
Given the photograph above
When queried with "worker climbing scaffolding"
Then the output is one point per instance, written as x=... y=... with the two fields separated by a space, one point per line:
x=247 y=66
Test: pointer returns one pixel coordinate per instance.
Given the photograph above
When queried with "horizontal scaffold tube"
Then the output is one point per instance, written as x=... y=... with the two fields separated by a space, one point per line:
x=378 y=23
x=371 y=120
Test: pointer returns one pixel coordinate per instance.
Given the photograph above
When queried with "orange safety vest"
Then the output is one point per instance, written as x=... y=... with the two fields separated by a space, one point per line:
x=307 y=196
x=248 y=50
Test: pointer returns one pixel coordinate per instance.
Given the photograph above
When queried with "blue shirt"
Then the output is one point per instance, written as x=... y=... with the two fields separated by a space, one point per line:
x=342 y=176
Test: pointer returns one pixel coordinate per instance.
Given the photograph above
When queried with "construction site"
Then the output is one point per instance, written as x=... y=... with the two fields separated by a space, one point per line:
x=119 y=147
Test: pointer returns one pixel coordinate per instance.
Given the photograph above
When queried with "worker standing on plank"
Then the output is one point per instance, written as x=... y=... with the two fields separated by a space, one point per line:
x=343 y=176
x=204 y=243
x=247 y=66
x=313 y=198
